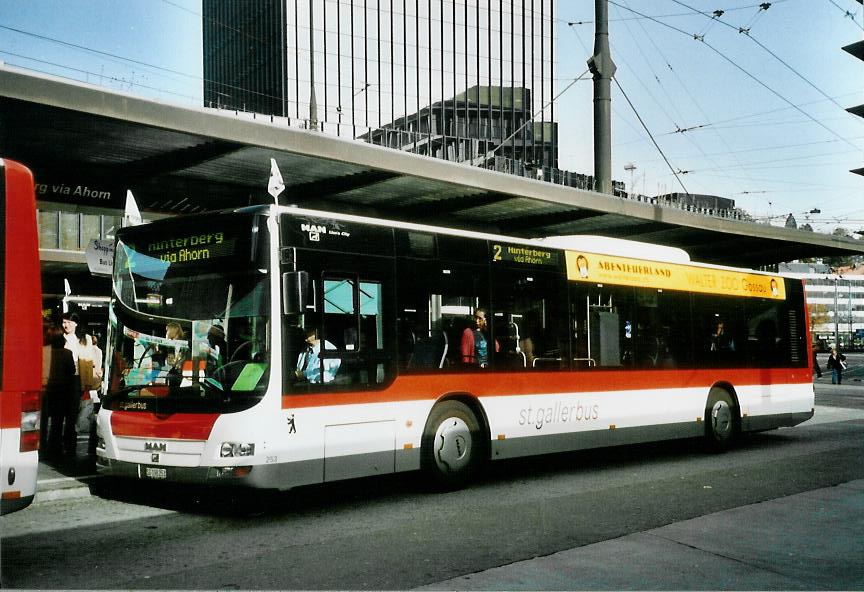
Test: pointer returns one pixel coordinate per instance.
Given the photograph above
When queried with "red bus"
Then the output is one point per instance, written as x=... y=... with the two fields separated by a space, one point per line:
x=20 y=338
x=275 y=347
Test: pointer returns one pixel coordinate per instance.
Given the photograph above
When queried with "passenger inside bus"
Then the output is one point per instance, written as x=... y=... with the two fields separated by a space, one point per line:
x=474 y=345
x=720 y=339
x=168 y=357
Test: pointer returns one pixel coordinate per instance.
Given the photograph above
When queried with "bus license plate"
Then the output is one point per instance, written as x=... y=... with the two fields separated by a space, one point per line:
x=155 y=473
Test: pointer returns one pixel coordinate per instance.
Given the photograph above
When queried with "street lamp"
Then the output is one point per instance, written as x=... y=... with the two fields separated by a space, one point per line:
x=630 y=167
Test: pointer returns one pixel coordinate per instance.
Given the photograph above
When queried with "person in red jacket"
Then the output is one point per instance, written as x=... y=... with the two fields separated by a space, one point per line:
x=475 y=346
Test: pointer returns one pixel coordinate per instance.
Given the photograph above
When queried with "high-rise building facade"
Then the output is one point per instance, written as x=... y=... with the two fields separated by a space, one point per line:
x=245 y=57
x=458 y=79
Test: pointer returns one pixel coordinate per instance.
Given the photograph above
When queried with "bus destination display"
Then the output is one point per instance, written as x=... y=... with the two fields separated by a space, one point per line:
x=524 y=254
x=189 y=246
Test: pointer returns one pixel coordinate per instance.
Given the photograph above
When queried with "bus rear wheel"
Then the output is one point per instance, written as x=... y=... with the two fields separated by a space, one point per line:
x=721 y=420
x=451 y=445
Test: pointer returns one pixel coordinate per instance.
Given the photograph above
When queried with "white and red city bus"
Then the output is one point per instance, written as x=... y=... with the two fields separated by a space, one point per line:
x=20 y=338
x=590 y=343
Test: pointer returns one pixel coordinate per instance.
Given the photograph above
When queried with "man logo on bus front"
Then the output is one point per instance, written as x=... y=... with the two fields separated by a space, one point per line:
x=315 y=231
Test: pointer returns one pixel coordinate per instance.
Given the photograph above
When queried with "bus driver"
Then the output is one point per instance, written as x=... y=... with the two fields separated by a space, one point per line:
x=309 y=362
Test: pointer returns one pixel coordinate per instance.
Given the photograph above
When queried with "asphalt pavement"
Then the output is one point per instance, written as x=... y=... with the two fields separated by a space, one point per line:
x=810 y=540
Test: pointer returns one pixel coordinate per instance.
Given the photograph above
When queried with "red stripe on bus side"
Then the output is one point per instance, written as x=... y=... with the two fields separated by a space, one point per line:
x=501 y=384
x=176 y=426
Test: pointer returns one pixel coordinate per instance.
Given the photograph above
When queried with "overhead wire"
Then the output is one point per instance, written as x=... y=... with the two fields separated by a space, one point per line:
x=743 y=71
x=750 y=115
x=656 y=145
x=741 y=117
x=747 y=33
x=686 y=90
x=776 y=160
x=850 y=15
x=656 y=77
x=90 y=73
x=98 y=52
x=635 y=18
x=615 y=111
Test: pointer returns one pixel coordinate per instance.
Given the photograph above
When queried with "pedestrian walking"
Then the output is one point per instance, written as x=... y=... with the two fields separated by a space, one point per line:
x=836 y=364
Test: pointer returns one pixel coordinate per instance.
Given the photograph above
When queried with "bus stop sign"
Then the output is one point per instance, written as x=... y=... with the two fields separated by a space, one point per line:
x=100 y=256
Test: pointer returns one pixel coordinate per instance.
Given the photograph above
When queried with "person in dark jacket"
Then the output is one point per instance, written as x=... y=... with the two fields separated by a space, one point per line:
x=836 y=364
x=59 y=392
x=816 y=368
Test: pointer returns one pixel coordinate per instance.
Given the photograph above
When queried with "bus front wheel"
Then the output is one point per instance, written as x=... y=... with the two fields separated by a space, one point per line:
x=721 y=420
x=451 y=445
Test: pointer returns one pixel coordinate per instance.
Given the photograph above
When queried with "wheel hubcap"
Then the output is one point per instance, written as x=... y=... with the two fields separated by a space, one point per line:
x=721 y=419
x=453 y=449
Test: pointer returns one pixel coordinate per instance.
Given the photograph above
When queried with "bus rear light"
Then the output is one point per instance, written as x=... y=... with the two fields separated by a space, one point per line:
x=31 y=404
x=30 y=440
x=232 y=449
x=31 y=401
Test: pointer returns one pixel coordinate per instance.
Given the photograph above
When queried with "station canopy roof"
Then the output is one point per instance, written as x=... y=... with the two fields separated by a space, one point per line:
x=82 y=139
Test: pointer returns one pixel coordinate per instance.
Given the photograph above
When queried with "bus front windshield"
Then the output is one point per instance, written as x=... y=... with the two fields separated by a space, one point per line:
x=189 y=319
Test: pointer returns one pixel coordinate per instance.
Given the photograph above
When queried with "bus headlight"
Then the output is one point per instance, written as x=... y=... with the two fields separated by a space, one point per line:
x=232 y=449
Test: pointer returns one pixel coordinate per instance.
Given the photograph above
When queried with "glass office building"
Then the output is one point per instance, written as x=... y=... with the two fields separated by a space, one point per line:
x=456 y=79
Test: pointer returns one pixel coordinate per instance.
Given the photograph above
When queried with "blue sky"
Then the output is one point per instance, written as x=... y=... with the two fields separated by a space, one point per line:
x=770 y=131
x=771 y=140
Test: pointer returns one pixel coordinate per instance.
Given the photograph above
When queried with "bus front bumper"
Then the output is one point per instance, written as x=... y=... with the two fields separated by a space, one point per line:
x=235 y=476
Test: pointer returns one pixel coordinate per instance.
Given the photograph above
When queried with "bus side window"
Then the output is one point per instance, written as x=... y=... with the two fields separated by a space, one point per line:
x=436 y=301
x=353 y=322
x=720 y=339
x=529 y=320
x=661 y=330
x=603 y=325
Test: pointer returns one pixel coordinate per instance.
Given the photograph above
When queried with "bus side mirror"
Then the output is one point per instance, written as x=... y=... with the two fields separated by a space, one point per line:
x=295 y=292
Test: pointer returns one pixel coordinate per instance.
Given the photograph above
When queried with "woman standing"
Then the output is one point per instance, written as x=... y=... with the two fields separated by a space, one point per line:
x=836 y=364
